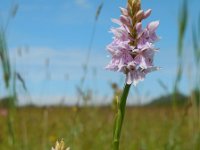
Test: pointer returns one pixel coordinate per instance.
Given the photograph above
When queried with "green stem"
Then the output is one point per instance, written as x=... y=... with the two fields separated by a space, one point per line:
x=120 y=117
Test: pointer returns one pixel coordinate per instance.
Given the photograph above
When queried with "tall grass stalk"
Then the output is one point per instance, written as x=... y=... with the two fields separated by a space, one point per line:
x=80 y=91
x=196 y=48
x=9 y=76
x=182 y=24
x=45 y=128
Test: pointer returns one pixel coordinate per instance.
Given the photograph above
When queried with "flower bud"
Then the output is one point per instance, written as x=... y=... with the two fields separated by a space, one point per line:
x=147 y=13
x=124 y=11
x=125 y=20
x=139 y=15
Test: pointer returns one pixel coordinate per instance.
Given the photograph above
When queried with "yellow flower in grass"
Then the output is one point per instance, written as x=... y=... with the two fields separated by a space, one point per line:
x=60 y=146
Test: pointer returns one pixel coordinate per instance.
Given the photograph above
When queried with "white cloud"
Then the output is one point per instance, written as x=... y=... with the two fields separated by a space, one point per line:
x=82 y=3
x=72 y=100
x=33 y=64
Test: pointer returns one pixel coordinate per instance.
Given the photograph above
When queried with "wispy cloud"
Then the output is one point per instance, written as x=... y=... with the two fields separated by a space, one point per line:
x=33 y=64
x=83 y=3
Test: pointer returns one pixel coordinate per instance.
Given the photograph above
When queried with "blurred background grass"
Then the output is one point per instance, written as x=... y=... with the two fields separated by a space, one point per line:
x=168 y=122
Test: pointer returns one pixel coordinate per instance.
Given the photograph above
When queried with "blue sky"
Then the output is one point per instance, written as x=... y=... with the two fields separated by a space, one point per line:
x=59 y=32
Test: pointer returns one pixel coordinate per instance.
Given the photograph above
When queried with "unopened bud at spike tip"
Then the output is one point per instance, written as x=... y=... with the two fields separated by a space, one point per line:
x=140 y=15
x=147 y=13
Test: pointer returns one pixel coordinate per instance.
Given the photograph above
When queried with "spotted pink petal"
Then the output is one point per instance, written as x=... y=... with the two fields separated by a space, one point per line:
x=125 y=20
x=117 y=21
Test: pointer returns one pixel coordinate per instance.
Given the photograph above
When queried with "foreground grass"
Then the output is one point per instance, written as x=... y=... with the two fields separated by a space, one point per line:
x=145 y=128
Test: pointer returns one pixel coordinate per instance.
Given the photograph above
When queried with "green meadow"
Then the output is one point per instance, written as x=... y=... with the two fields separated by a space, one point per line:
x=145 y=128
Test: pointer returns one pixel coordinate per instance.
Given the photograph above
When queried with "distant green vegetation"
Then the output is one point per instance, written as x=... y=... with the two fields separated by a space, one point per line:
x=167 y=100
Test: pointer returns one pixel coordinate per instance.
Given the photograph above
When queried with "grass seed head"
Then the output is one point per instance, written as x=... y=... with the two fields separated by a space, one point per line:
x=60 y=146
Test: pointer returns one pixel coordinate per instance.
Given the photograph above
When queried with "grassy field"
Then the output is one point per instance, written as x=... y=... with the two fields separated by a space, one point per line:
x=145 y=128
